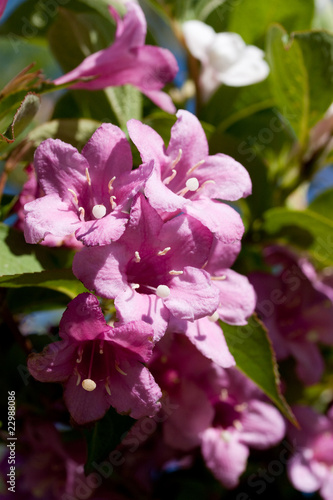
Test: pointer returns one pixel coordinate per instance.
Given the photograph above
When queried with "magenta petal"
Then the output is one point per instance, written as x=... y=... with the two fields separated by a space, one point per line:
x=149 y=142
x=237 y=298
x=85 y=406
x=136 y=337
x=59 y=167
x=161 y=99
x=133 y=306
x=102 y=231
x=231 y=179
x=132 y=29
x=83 y=319
x=263 y=425
x=188 y=135
x=225 y=456
x=192 y=295
x=301 y=474
x=222 y=256
x=160 y=196
x=54 y=363
x=49 y=215
x=224 y=222
x=109 y=155
x=95 y=266
x=209 y=340
x=135 y=393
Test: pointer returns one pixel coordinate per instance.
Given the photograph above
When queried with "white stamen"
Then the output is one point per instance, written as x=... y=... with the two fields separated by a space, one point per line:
x=112 y=202
x=101 y=345
x=312 y=336
x=88 y=384
x=218 y=278
x=174 y=163
x=76 y=201
x=80 y=352
x=88 y=177
x=224 y=395
x=176 y=273
x=307 y=454
x=110 y=187
x=172 y=176
x=163 y=252
x=78 y=377
x=116 y=364
x=192 y=184
x=206 y=182
x=195 y=166
x=162 y=291
x=238 y=425
x=241 y=407
x=107 y=387
x=214 y=317
x=134 y=286
x=137 y=257
x=99 y=211
x=226 y=436
x=81 y=213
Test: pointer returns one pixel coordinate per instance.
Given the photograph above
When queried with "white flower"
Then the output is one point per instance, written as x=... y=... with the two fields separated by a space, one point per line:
x=225 y=58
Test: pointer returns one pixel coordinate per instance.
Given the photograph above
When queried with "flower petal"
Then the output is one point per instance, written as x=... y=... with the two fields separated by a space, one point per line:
x=263 y=425
x=237 y=298
x=83 y=319
x=225 y=457
x=192 y=295
x=85 y=406
x=208 y=338
x=49 y=215
x=198 y=37
x=54 y=364
x=59 y=166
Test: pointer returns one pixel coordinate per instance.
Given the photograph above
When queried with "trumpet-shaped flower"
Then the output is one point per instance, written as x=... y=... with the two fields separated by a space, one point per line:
x=100 y=366
x=85 y=193
x=220 y=410
x=128 y=61
x=186 y=178
x=154 y=269
x=311 y=466
x=296 y=309
x=225 y=58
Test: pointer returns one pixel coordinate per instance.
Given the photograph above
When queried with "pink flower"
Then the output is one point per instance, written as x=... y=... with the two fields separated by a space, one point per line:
x=99 y=365
x=311 y=466
x=128 y=61
x=30 y=192
x=296 y=309
x=84 y=193
x=154 y=269
x=185 y=177
x=220 y=410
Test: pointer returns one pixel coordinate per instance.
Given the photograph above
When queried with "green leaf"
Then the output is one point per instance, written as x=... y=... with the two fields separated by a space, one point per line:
x=126 y=102
x=18 y=257
x=323 y=204
x=299 y=67
x=105 y=436
x=255 y=357
x=305 y=229
x=292 y=15
x=23 y=116
x=74 y=36
x=60 y=280
x=251 y=19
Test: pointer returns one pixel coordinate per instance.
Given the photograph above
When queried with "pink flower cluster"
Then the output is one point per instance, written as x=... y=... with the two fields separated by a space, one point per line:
x=157 y=241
